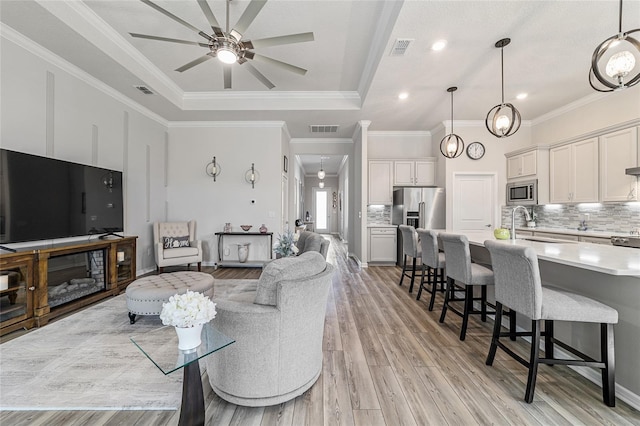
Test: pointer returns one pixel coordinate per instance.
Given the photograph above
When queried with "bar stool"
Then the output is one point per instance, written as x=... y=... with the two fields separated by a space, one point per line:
x=518 y=285
x=433 y=264
x=461 y=271
x=410 y=248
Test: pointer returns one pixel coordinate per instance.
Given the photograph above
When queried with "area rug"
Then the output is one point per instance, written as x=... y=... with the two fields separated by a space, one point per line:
x=86 y=361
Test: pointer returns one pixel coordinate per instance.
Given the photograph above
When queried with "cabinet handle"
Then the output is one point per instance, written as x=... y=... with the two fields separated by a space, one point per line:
x=32 y=288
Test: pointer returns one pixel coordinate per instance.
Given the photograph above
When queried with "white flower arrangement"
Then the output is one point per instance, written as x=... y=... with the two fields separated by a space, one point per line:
x=286 y=245
x=187 y=310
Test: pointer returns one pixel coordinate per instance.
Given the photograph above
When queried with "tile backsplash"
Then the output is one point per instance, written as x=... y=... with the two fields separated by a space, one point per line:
x=379 y=215
x=610 y=217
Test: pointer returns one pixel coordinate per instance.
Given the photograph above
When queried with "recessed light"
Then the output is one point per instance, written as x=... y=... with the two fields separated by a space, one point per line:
x=439 y=45
x=522 y=96
x=403 y=95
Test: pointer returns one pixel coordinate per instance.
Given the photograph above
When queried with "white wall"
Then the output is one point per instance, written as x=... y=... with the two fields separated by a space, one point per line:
x=194 y=195
x=393 y=144
x=343 y=202
x=53 y=109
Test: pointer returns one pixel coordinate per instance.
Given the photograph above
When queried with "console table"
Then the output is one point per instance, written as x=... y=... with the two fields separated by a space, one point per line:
x=249 y=264
x=161 y=347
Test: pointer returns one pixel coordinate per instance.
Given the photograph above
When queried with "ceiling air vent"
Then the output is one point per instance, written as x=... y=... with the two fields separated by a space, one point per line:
x=323 y=128
x=400 y=46
x=144 y=89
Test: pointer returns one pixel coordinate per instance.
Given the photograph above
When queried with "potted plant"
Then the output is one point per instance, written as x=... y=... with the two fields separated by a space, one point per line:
x=188 y=312
x=286 y=245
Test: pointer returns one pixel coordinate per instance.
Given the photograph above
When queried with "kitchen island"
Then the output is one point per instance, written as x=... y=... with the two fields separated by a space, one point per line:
x=608 y=274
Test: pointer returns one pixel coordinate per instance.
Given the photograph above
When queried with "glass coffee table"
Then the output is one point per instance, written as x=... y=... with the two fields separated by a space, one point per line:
x=161 y=347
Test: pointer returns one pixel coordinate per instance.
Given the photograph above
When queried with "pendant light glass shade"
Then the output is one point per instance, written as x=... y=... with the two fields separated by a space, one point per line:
x=614 y=61
x=452 y=145
x=321 y=184
x=503 y=120
x=321 y=173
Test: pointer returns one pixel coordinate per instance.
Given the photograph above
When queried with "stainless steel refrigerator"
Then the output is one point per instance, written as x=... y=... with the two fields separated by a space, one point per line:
x=417 y=207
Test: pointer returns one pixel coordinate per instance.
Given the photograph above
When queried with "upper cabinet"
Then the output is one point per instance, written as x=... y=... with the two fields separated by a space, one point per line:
x=521 y=165
x=414 y=173
x=573 y=176
x=618 y=151
x=380 y=182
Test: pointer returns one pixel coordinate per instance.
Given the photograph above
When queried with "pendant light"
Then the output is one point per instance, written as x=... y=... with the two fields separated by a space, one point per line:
x=614 y=60
x=452 y=145
x=321 y=184
x=503 y=120
x=321 y=173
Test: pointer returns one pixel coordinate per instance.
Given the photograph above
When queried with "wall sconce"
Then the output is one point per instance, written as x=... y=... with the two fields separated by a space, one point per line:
x=252 y=176
x=213 y=169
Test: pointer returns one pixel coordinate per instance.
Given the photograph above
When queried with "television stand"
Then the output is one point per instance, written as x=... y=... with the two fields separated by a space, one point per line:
x=108 y=234
x=8 y=249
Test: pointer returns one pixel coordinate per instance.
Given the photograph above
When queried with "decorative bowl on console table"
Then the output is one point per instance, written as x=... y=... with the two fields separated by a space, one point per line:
x=246 y=228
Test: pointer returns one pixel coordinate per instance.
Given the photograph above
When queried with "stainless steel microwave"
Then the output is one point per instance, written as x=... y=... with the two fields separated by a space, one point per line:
x=524 y=193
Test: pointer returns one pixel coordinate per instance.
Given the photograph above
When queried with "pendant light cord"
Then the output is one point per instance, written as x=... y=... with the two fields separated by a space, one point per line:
x=502 y=71
x=452 y=112
x=228 y=1
x=620 y=19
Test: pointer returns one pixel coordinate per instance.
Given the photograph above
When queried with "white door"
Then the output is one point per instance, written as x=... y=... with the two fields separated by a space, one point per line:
x=474 y=202
x=321 y=209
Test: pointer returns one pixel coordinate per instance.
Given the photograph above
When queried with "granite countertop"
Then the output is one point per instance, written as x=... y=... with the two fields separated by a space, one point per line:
x=568 y=231
x=603 y=258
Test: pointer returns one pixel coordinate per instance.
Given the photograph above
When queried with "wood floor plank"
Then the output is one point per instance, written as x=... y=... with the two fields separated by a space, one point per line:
x=309 y=407
x=368 y=418
x=331 y=340
x=395 y=407
x=336 y=397
x=279 y=415
x=446 y=399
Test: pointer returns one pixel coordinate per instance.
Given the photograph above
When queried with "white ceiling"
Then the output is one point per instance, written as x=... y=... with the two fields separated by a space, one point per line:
x=351 y=75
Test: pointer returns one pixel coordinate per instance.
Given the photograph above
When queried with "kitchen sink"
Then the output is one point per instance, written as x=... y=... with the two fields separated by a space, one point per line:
x=545 y=240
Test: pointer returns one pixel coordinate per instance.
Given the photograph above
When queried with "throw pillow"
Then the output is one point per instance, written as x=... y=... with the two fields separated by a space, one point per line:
x=287 y=268
x=175 y=242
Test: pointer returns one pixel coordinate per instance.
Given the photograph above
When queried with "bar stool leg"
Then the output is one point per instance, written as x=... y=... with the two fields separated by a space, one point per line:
x=413 y=275
x=483 y=303
x=533 y=360
x=447 y=294
x=424 y=267
x=548 y=339
x=434 y=287
x=404 y=268
x=468 y=305
x=608 y=358
x=512 y=324
x=496 y=335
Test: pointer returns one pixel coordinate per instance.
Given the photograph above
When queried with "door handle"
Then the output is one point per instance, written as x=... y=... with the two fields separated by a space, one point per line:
x=488 y=226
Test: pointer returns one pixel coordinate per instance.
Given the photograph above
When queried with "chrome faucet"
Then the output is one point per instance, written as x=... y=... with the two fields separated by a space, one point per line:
x=513 y=219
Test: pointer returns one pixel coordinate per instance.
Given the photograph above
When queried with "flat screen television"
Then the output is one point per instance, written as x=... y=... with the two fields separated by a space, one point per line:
x=43 y=198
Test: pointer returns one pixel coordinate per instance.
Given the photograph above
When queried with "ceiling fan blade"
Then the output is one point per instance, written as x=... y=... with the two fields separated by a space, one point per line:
x=276 y=41
x=284 y=65
x=247 y=18
x=227 y=76
x=175 y=18
x=171 y=40
x=193 y=63
x=208 y=13
x=257 y=74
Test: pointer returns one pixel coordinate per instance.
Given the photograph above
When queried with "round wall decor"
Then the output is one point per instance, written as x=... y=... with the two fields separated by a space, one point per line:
x=475 y=150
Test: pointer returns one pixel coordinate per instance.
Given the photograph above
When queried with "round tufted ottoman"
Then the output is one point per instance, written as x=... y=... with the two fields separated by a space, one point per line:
x=145 y=296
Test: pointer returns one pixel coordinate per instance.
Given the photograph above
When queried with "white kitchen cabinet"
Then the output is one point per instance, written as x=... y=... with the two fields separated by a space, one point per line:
x=618 y=151
x=382 y=244
x=558 y=236
x=414 y=173
x=520 y=165
x=573 y=174
x=380 y=182
x=595 y=240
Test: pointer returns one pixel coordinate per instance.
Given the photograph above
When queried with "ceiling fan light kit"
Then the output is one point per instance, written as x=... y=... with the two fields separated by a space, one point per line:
x=614 y=60
x=452 y=145
x=503 y=120
x=229 y=46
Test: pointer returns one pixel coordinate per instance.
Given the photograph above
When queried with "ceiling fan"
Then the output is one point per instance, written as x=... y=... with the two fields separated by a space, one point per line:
x=229 y=46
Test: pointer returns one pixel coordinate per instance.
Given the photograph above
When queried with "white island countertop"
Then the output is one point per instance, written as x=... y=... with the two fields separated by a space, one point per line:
x=595 y=257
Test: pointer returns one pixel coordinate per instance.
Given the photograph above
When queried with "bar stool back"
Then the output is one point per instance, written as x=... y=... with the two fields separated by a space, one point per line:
x=518 y=286
x=410 y=248
x=433 y=264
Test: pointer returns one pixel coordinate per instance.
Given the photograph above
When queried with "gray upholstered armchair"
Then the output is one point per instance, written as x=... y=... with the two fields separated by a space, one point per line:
x=278 y=331
x=175 y=244
x=310 y=241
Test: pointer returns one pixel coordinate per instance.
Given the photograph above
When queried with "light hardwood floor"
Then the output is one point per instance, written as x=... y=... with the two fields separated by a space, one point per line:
x=387 y=361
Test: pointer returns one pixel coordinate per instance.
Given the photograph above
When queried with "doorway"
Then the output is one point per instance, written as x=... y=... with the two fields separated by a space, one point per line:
x=321 y=206
x=475 y=201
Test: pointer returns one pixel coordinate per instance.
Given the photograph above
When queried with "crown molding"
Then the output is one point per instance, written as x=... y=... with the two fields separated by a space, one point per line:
x=226 y=124
x=569 y=107
x=34 y=48
x=477 y=123
x=84 y=21
x=274 y=101
x=420 y=133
